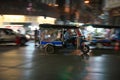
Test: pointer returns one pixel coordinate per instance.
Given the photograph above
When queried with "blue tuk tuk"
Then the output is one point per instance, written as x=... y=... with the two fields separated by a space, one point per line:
x=52 y=38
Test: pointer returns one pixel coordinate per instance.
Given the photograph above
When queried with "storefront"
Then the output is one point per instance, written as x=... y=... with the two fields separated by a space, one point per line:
x=115 y=16
x=115 y=19
x=22 y=22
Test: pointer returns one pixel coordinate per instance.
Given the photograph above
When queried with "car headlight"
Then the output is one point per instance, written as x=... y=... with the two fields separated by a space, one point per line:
x=27 y=36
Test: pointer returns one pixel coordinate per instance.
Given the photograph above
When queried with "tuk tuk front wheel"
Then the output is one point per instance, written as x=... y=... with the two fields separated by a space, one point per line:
x=49 y=49
x=85 y=48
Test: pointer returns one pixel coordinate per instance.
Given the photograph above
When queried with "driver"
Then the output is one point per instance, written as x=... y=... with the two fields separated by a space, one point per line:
x=67 y=35
x=68 y=38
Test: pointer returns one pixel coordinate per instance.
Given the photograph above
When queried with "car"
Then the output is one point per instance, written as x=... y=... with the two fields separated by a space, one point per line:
x=30 y=34
x=10 y=36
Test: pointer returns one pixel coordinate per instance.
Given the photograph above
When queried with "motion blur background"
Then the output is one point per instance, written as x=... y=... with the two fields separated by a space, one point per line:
x=26 y=15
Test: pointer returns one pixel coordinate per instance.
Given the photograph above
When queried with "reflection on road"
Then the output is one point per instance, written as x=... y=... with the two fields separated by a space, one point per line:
x=28 y=63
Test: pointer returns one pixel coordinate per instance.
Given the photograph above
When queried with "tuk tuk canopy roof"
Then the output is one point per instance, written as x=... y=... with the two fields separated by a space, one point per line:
x=101 y=26
x=56 y=26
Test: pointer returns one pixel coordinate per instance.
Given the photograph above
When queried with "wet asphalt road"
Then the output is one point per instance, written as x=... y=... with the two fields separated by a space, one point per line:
x=28 y=63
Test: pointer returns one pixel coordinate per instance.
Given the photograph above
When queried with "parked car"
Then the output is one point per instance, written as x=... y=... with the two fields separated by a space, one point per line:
x=9 y=36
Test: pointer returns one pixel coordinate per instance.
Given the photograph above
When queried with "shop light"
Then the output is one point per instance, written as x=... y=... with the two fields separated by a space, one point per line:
x=90 y=28
x=56 y=5
x=13 y=18
x=53 y=5
x=42 y=20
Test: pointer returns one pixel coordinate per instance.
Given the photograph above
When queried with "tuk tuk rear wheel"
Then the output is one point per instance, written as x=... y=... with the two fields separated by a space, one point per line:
x=49 y=49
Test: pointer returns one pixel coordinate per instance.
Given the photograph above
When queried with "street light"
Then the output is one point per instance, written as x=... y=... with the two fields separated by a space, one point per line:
x=86 y=1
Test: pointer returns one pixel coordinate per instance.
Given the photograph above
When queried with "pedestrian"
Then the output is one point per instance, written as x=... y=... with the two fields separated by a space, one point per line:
x=36 y=34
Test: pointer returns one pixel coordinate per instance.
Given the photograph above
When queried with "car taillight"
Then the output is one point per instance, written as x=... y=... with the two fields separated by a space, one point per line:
x=17 y=40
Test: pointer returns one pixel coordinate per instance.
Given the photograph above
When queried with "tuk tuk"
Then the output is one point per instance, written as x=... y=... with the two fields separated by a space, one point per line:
x=52 y=38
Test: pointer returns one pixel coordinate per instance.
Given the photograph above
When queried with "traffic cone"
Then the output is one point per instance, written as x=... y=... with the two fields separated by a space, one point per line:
x=116 y=46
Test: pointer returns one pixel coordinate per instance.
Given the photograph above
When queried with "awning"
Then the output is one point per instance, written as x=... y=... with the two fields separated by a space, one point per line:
x=101 y=26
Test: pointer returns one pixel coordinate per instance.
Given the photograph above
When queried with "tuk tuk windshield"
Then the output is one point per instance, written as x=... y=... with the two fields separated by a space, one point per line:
x=50 y=34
